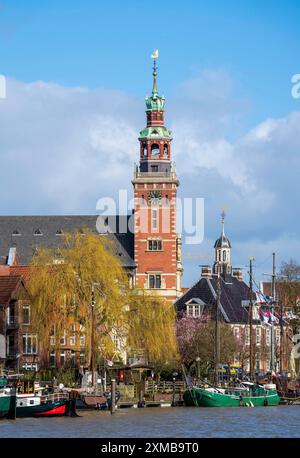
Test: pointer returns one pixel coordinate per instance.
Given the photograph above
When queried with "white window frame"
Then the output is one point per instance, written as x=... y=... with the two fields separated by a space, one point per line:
x=236 y=332
x=257 y=336
x=268 y=337
x=154 y=219
x=82 y=340
x=277 y=335
x=247 y=335
x=62 y=339
x=31 y=344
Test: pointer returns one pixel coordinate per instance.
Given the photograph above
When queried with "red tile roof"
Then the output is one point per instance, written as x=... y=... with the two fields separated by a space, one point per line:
x=9 y=285
x=23 y=271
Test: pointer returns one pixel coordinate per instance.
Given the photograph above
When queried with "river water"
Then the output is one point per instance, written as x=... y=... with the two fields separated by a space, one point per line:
x=184 y=422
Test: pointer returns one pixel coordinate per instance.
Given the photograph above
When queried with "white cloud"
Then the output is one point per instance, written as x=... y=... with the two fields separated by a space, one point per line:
x=63 y=148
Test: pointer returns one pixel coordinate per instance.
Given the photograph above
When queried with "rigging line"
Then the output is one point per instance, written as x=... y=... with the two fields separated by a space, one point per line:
x=263 y=262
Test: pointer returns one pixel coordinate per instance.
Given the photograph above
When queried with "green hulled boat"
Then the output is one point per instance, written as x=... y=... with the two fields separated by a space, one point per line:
x=246 y=395
x=7 y=400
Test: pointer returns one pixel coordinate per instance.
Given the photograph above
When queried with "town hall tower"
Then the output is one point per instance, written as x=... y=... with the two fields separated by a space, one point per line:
x=157 y=246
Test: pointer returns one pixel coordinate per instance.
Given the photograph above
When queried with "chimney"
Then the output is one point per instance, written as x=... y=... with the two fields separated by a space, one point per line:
x=237 y=273
x=206 y=272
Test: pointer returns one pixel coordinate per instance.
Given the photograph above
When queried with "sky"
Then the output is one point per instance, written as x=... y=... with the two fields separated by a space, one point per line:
x=77 y=73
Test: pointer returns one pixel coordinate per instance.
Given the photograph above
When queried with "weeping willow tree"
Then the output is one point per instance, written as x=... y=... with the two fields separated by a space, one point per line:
x=61 y=285
x=61 y=292
x=152 y=327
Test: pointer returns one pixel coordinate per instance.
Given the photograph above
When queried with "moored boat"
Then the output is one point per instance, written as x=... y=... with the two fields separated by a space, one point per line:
x=246 y=395
x=29 y=399
x=7 y=399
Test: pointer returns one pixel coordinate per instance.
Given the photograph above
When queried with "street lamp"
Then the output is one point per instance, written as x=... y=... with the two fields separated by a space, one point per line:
x=175 y=374
x=152 y=376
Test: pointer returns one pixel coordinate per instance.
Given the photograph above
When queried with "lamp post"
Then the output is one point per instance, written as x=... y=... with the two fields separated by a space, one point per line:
x=152 y=376
x=92 y=334
x=174 y=380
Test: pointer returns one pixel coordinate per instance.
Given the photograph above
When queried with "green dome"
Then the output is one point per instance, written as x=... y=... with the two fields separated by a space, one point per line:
x=155 y=102
x=155 y=132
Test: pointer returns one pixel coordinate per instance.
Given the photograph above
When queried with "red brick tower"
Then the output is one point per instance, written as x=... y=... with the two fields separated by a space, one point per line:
x=157 y=247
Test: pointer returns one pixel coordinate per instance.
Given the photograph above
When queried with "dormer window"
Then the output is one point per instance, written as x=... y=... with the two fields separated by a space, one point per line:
x=16 y=232
x=38 y=232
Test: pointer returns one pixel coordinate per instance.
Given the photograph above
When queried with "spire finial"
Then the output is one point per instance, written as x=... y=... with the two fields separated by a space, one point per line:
x=223 y=214
x=154 y=56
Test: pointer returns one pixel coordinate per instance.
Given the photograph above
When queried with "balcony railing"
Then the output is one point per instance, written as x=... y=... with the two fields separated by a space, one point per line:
x=153 y=174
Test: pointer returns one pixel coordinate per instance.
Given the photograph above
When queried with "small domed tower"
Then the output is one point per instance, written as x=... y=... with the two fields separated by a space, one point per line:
x=222 y=251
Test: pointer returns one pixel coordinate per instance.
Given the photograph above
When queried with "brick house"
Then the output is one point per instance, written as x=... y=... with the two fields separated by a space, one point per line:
x=21 y=344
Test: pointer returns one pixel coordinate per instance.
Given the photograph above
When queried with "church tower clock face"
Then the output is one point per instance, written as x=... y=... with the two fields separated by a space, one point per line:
x=154 y=197
x=156 y=242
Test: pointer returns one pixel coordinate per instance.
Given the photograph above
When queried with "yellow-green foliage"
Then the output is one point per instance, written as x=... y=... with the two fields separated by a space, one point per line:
x=152 y=327
x=60 y=287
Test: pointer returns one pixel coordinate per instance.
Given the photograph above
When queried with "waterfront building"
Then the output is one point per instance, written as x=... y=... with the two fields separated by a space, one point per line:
x=200 y=300
x=145 y=242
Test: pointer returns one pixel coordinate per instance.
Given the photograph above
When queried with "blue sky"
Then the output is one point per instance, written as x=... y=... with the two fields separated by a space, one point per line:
x=107 y=43
x=225 y=68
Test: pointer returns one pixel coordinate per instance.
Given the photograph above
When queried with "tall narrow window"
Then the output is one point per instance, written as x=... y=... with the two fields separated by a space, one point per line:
x=62 y=359
x=278 y=336
x=154 y=219
x=63 y=339
x=26 y=314
x=72 y=359
x=268 y=337
x=29 y=344
x=257 y=336
x=154 y=281
x=52 y=359
x=247 y=335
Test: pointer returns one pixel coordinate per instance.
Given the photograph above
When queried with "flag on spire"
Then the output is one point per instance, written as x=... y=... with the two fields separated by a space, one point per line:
x=154 y=55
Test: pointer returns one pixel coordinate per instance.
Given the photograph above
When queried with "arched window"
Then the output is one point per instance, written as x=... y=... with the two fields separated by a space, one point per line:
x=145 y=149
x=154 y=150
x=219 y=255
x=224 y=255
x=165 y=150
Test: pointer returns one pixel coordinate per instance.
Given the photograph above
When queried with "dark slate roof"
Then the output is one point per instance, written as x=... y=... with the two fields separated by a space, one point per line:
x=222 y=242
x=8 y=286
x=29 y=232
x=232 y=295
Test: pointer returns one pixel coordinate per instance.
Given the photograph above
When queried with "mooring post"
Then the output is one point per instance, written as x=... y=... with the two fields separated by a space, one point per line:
x=113 y=396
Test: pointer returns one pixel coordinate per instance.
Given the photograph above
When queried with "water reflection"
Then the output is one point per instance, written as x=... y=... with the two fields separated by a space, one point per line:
x=281 y=421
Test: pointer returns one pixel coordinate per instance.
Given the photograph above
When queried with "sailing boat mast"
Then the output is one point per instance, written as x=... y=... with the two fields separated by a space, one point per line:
x=251 y=319
x=217 y=327
x=272 y=314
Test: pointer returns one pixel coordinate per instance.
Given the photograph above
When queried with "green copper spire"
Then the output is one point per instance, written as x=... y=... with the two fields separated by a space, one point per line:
x=155 y=102
x=154 y=90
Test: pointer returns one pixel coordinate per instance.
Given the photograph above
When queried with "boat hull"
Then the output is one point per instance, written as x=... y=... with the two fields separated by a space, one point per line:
x=200 y=397
x=53 y=409
x=7 y=405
